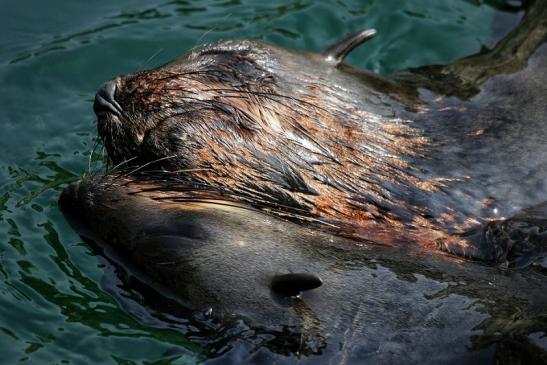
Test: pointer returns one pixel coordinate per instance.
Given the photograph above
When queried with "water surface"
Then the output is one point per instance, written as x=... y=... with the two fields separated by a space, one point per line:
x=53 y=56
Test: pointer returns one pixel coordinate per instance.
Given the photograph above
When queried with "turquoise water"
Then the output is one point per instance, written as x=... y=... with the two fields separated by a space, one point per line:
x=53 y=56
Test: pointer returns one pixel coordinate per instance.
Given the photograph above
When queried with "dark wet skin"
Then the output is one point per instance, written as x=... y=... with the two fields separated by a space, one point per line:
x=462 y=175
x=380 y=304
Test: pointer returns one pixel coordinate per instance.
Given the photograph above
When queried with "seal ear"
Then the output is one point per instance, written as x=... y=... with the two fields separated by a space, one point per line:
x=292 y=284
x=336 y=53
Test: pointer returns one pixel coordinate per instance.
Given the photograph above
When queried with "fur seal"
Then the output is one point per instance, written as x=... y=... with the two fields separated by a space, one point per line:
x=433 y=156
x=219 y=150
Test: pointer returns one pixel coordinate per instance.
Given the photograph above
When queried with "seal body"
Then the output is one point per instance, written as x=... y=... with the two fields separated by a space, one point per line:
x=216 y=264
x=432 y=157
x=218 y=154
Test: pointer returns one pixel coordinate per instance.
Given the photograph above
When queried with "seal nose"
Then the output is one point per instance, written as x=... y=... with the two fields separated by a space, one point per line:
x=105 y=100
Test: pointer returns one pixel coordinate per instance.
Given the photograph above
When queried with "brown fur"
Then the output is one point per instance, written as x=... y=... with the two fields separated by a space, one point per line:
x=288 y=133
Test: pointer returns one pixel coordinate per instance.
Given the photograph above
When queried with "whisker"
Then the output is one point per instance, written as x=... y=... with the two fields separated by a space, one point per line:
x=151 y=58
x=96 y=144
x=149 y=163
x=124 y=162
x=213 y=28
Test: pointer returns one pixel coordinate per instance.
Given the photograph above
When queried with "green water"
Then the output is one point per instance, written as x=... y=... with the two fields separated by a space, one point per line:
x=55 y=54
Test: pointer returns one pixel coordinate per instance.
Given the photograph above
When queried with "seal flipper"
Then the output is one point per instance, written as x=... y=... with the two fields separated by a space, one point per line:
x=336 y=53
x=292 y=284
x=516 y=242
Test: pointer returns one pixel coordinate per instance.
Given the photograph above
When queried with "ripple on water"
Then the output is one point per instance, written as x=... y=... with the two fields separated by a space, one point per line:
x=53 y=304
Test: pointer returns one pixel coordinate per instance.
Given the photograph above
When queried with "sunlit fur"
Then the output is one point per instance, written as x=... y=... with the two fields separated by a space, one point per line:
x=235 y=120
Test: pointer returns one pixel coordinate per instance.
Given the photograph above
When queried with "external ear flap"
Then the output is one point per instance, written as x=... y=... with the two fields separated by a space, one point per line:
x=292 y=284
x=336 y=53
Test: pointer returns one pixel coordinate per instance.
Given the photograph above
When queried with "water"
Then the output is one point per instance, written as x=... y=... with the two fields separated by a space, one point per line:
x=54 y=55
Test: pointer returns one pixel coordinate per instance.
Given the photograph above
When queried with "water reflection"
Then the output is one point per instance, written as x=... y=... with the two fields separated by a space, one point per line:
x=42 y=278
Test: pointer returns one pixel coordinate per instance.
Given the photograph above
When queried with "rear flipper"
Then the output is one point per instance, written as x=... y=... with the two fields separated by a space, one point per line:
x=516 y=242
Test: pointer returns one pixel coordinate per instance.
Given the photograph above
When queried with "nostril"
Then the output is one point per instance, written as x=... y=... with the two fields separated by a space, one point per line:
x=105 y=100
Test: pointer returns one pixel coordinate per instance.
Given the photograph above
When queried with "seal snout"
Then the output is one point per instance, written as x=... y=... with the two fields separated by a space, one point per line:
x=105 y=101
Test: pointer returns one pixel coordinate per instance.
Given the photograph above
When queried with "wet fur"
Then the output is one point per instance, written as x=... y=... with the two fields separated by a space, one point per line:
x=356 y=154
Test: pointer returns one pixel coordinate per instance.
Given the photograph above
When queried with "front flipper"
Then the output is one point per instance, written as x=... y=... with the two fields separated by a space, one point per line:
x=336 y=53
x=463 y=78
x=516 y=242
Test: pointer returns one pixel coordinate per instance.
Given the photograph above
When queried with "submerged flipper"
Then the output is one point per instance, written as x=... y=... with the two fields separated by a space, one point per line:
x=516 y=242
x=336 y=53
x=292 y=284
